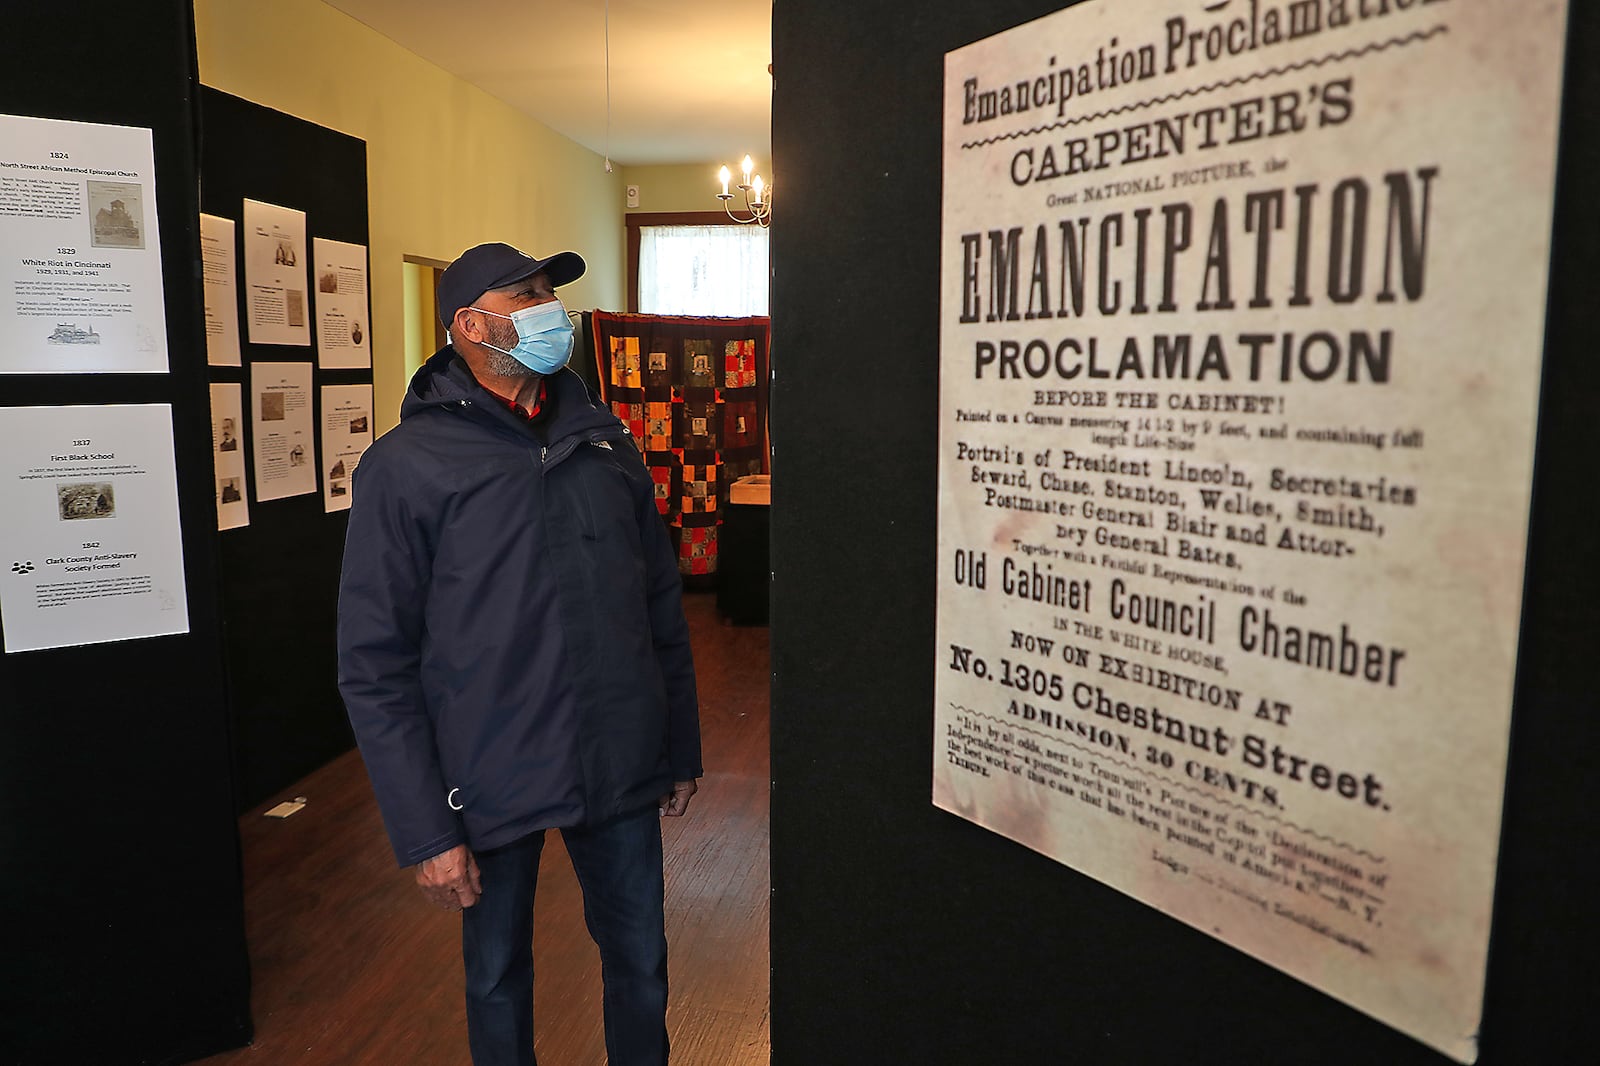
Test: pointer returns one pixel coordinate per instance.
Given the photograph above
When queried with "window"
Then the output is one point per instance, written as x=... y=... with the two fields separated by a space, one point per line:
x=703 y=270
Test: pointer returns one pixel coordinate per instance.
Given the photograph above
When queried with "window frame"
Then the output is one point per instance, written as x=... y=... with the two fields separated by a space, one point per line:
x=636 y=220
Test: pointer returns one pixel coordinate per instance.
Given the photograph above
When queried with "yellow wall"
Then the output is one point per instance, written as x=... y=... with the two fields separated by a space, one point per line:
x=448 y=166
x=692 y=187
x=418 y=319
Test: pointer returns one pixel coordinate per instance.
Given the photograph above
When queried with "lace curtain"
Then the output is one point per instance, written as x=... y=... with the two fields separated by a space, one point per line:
x=703 y=270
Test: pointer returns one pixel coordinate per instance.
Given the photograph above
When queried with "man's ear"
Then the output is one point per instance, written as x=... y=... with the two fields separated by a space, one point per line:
x=466 y=327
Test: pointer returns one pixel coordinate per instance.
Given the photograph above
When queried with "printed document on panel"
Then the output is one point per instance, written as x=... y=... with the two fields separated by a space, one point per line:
x=80 y=250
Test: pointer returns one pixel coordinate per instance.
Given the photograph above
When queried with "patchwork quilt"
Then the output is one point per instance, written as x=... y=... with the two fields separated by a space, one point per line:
x=693 y=392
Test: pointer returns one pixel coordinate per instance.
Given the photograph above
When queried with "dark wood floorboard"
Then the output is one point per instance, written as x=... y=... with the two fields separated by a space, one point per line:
x=351 y=968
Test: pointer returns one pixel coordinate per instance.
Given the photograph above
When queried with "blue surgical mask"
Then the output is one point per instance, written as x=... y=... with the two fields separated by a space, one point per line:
x=544 y=336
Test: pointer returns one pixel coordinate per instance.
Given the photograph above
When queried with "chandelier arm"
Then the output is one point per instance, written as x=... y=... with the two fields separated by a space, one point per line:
x=761 y=208
x=736 y=218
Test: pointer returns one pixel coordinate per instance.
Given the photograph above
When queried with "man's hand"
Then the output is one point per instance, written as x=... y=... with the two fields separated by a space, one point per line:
x=450 y=878
x=674 y=803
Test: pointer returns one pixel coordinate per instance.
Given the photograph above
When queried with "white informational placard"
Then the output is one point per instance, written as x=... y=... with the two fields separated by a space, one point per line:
x=227 y=426
x=80 y=250
x=346 y=435
x=222 y=296
x=1242 y=316
x=340 y=272
x=283 y=438
x=89 y=532
x=275 y=274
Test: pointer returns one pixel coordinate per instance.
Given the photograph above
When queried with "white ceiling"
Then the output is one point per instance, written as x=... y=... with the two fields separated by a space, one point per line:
x=689 y=81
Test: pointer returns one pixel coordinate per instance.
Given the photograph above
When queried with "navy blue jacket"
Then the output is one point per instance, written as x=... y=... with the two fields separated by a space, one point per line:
x=512 y=647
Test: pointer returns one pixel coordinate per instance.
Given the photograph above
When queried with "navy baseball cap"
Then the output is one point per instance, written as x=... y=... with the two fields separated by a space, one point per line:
x=494 y=266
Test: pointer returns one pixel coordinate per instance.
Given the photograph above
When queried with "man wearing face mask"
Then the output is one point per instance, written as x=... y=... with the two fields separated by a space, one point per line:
x=513 y=653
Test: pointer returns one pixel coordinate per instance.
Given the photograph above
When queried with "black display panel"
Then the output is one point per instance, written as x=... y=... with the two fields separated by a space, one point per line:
x=122 y=901
x=280 y=574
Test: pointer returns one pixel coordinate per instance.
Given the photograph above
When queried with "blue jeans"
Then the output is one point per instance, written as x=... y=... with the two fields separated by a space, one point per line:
x=619 y=869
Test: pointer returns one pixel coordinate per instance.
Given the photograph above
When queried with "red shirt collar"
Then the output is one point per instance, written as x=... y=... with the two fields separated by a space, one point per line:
x=538 y=403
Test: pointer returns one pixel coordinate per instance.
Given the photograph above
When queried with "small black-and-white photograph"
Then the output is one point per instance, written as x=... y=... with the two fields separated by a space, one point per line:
x=72 y=333
x=228 y=436
x=355 y=333
x=285 y=254
x=272 y=407
x=358 y=424
x=338 y=488
x=230 y=490
x=328 y=281
x=86 y=499
x=297 y=456
x=116 y=214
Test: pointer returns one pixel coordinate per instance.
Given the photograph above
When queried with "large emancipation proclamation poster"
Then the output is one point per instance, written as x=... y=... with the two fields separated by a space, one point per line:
x=1242 y=311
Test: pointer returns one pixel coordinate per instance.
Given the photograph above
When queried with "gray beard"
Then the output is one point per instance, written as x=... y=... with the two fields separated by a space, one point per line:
x=503 y=365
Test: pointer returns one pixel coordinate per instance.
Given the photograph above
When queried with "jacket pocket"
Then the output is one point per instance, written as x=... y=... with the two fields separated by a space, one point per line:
x=608 y=499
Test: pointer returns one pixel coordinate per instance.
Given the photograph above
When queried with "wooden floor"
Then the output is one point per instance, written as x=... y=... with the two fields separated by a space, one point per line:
x=351 y=968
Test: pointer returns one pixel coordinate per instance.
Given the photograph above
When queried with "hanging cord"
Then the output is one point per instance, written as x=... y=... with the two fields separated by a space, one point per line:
x=608 y=87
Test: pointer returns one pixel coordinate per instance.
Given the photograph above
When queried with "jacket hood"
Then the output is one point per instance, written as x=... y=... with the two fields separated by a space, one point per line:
x=445 y=381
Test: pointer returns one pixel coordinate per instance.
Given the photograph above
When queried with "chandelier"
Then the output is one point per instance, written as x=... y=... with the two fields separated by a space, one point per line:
x=757 y=195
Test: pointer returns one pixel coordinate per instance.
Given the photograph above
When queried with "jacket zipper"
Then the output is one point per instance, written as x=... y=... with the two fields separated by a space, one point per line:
x=568 y=445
